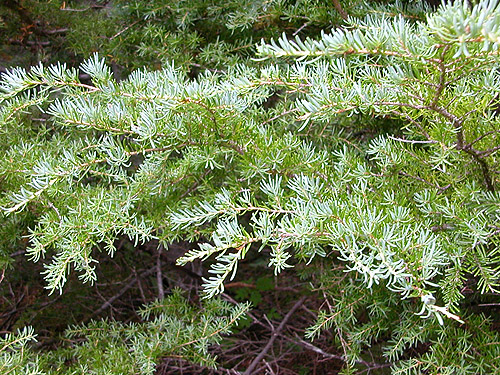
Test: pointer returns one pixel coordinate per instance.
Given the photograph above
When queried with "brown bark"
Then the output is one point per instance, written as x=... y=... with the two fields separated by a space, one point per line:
x=338 y=7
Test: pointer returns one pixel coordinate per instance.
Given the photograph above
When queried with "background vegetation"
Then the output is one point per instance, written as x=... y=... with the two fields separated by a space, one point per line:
x=257 y=187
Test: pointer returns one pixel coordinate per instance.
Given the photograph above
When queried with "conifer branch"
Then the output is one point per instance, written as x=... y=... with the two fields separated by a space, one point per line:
x=387 y=200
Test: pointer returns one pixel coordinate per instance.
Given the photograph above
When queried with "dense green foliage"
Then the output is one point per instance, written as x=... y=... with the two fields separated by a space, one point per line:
x=364 y=157
x=109 y=347
x=197 y=34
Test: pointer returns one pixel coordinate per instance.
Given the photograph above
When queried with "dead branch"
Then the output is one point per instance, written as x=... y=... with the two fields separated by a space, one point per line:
x=274 y=335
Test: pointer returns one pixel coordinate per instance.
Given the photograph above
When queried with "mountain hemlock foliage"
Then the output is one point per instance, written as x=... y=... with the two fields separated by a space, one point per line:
x=369 y=148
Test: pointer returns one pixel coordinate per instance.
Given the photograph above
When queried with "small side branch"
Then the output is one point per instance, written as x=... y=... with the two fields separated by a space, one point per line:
x=461 y=144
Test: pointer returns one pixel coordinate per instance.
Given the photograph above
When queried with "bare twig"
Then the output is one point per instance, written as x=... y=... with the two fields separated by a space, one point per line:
x=29 y=43
x=125 y=29
x=301 y=28
x=410 y=141
x=139 y=285
x=94 y=6
x=442 y=78
x=314 y=348
x=274 y=335
x=252 y=316
x=122 y=291
x=18 y=253
x=195 y=185
x=483 y=136
x=280 y=115
x=57 y=31
x=418 y=179
x=338 y=7
x=159 y=275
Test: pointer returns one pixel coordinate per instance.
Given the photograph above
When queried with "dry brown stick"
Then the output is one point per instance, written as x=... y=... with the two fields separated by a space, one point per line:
x=82 y=9
x=274 y=335
x=314 y=348
x=122 y=291
x=139 y=285
x=159 y=274
x=338 y=7
x=254 y=318
x=125 y=29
